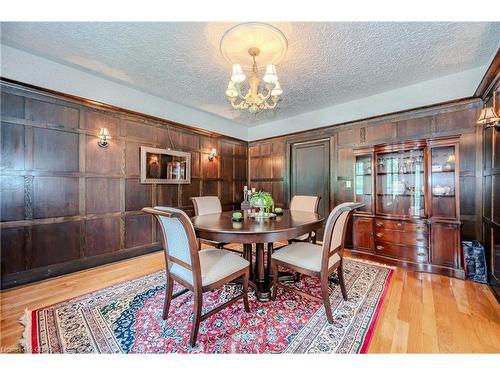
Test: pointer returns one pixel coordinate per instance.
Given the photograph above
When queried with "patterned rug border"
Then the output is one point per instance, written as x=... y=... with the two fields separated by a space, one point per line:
x=28 y=341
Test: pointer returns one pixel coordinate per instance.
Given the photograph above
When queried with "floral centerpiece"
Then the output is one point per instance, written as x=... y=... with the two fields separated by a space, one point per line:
x=263 y=201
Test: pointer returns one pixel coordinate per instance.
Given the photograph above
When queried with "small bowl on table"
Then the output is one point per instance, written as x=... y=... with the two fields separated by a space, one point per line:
x=237 y=216
x=278 y=211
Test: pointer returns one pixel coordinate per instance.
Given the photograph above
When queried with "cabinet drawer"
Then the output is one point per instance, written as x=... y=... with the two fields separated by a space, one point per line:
x=400 y=225
x=411 y=253
x=401 y=237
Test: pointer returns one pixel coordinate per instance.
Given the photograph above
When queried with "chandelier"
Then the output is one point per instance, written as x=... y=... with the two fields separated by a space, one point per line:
x=253 y=100
x=242 y=46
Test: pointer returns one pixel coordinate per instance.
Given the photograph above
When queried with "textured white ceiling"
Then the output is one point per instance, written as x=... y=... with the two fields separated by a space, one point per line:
x=326 y=64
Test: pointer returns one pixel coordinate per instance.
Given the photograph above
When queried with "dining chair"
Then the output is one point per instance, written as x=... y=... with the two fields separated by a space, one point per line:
x=317 y=260
x=205 y=206
x=197 y=270
x=308 y=203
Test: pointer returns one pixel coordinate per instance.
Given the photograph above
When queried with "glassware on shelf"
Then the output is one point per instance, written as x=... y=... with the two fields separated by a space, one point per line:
x=443 y=180
x=363 y=181
x=401 y=183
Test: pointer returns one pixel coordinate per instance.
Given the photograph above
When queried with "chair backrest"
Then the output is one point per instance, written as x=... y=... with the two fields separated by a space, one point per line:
x=179 y=240
x=307 y=203
x=335 y=230
x=206 y=205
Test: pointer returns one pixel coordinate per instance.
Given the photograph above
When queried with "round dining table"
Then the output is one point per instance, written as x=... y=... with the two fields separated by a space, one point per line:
x=251 y=231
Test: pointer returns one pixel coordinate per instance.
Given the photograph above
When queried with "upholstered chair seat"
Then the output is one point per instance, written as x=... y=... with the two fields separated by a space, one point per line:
x=305 y=255
x=215 y=264
x=304 y=237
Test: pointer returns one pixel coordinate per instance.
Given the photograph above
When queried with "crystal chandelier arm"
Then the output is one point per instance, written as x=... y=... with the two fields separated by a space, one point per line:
x=270 y=87
x=275 y=100
x=238 y=89
x=271 y=106
x=239 y=105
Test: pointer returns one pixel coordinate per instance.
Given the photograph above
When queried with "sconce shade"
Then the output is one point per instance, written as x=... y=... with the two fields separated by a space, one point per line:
x=104 y=133
x=213 y=154
x=104 y=137
x=487 y=116
x=238 y=75
x=231 y=90
x=276 y=91
x=270 y=76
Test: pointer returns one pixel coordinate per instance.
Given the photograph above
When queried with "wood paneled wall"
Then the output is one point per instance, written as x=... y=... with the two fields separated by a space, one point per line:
x=67 y=204
x=269 y=158
x=267 y=167
x=491 y=199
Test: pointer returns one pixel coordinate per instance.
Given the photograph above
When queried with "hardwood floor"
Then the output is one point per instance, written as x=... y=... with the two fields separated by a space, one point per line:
x=423 y=313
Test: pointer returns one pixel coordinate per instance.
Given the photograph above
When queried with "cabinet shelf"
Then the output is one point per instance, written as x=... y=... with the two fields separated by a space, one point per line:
x=398 y=195
x=439 y=172
x=397 y=173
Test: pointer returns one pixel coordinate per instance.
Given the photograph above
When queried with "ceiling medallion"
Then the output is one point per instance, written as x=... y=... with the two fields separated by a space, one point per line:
x=245 y=43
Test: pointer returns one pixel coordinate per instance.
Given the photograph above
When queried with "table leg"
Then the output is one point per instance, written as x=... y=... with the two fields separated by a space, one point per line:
x=263 y=292
x=269 y=253
x=247 y=254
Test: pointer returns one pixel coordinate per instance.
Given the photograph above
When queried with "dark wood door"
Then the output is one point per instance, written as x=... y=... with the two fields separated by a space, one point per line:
x=310 y=172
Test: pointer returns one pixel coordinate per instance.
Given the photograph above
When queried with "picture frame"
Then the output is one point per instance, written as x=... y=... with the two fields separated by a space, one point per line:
x=162 y=166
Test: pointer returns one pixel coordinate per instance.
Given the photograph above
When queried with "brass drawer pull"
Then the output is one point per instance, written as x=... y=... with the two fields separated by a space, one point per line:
x=379 y=224
x=399 y=225
x=379 y=235
x=380 y=247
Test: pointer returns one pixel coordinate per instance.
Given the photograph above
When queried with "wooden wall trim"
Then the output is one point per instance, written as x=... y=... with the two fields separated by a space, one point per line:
x=38 y=274
x=35 y=90
x=429 y=110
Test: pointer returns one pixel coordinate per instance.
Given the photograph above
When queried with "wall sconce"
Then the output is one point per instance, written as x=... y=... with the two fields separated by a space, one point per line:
x=488 y=115
x=104 y=137
x=212 y=155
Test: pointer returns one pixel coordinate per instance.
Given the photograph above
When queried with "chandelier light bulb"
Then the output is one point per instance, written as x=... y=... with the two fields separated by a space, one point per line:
x=276 y=91
x=270 y=76
x=238 y=75
x=231 y=90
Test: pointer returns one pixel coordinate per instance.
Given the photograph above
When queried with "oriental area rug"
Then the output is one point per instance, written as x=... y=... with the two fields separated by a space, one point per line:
x=127 y=318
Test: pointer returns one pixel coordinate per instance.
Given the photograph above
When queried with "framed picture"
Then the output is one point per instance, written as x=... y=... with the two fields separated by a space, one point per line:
x=160 y=166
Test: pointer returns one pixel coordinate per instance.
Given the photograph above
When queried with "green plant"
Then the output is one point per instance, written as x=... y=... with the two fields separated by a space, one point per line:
x=262 y=196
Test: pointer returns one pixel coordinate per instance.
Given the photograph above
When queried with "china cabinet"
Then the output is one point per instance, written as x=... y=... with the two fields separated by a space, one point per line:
x=411 y=194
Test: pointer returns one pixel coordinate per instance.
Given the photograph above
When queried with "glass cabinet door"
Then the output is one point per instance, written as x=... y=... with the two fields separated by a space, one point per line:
x=443 y=177
x=400 y=183
x=363 y=182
